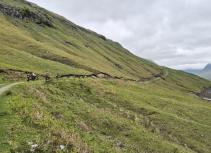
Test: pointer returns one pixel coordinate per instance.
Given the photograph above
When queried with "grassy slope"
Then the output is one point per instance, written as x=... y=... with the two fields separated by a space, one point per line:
x=107 y=116
x=85 y=49
x=206 y=75
x=94 y=115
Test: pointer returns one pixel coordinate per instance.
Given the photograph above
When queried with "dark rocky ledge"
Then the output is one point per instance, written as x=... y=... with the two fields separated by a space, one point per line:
x=26 y=14
x=206 y=94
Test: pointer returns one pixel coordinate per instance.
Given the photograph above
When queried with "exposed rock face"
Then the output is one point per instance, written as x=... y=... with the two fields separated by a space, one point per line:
x=206 y=93
x=26 y=14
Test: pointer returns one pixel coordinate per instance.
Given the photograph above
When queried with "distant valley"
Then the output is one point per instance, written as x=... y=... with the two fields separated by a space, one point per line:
x=205 y=72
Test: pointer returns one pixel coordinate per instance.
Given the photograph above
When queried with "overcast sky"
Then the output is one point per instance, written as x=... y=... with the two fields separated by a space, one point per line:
x=173 y=33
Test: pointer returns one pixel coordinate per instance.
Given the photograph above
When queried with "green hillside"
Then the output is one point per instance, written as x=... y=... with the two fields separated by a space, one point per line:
x=137 y=107
x=206 y=75
x=62 y=46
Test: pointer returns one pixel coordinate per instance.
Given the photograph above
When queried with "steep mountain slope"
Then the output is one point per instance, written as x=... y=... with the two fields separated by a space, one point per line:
x=34 y=34
x=137 y=107
x=205 y=73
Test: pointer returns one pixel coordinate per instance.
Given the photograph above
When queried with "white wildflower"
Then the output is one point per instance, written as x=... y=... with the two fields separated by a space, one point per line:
x=62 y=147
x=33 y=147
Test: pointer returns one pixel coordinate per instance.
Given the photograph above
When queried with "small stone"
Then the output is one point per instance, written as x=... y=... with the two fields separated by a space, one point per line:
x=62 y=147
x=120 y=144
x=33 y=147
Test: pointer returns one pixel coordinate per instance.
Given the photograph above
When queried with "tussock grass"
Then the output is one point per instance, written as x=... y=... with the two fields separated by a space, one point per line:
x=111 y=116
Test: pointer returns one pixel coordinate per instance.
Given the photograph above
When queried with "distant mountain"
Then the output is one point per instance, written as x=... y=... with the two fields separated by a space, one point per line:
x=207 y=67
x=205 y=72
x=193 y=71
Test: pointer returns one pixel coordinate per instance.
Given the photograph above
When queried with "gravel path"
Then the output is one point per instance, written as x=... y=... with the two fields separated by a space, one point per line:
x=7 y=87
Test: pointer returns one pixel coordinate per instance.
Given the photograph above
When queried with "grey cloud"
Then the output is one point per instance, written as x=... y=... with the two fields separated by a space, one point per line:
x=174 y=33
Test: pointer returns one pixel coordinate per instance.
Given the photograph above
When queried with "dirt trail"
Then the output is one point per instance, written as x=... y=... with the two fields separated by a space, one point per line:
x=208 y=99
x=101 y=75
x=7 y=87
x=1 y=85
x=107 y=76
x=157 y=77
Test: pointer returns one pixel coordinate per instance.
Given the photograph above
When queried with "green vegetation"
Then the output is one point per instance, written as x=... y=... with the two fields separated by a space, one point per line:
x=105 y=116
x=64 y=46
x=159 y=115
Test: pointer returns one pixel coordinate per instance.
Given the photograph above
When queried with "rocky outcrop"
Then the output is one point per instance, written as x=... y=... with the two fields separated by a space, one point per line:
x=26 y=14
x=206 y=93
